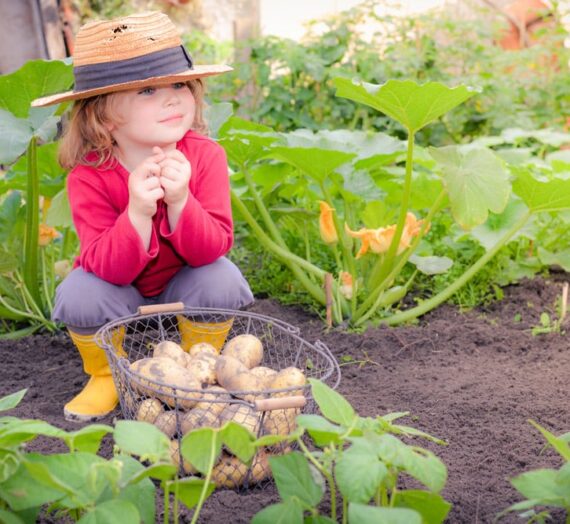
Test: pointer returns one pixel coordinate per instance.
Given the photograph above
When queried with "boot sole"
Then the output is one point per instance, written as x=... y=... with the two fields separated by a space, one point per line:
x=77 y=417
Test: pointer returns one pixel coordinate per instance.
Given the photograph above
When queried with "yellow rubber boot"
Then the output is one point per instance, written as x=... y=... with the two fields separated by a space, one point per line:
x=192 y=332
x=99 y=396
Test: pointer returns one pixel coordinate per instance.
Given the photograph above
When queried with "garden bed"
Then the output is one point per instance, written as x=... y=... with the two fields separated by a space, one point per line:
x=470 y=378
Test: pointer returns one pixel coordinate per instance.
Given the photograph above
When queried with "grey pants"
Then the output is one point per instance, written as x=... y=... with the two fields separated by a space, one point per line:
x=84 y=302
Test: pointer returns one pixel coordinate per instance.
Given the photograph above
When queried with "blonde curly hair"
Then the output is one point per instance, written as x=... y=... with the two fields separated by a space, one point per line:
x=88 y=128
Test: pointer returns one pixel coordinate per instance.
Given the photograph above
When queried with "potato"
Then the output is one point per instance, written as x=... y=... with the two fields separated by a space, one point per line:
x=202 y=347
x=198 y=418
x=166 y=422
x=287 y=378
x=248 y=349
x=230 y=472
x=212 y=399
x=167 y=371
x=280 y=421
x=175 y=454
x=233 y=473
x=149 y=410
x=236 y=378
x=203 y=367
x=242 y=414
x=172 y=350
x=260 y=469
x=266 y=375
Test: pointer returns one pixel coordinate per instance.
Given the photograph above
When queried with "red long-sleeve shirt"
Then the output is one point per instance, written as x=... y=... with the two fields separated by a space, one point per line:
x=111 y=248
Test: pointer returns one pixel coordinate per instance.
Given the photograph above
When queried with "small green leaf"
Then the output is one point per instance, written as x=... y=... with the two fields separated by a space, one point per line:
x=59 y=212
x=288 y=512
x=541 y=195
x=359 y=472
x=11 y=401
x=411 y=104
x=361 y=514
x=476 y=182
x=142 y=439
x=239 y=440
x=321 y=430
x=332 y=404
x=188 y=490
x=294 y=478
x=431 y=506
x=88 y=438
x=112 y=512
x=317 y=163
x=541 y=484
x=431 y=265
x=558 y=444
x=201 y=448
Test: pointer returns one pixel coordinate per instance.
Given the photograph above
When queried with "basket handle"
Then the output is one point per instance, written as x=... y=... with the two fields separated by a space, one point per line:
x=269 y=404
x=171 y=307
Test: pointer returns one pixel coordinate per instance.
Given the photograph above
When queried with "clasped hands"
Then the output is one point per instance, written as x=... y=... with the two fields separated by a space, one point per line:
x=162 y=175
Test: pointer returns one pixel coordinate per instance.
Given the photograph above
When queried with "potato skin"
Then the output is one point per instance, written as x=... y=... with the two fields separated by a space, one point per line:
x=264 y=374
x=243 y=415
x=175 y=455
x=231 y=472
x=172 y=350
x=280 y=421
x=287 y=378
x=167 y=371
x=235 y=377
x=149 y=409
x=202 y=366
x=202 y=347
x=166 y=422
x=248 y=349
x=198 y=418
x=210 y=396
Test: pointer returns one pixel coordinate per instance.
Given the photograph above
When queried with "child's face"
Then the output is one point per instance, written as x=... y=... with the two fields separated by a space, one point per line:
x=153 y=116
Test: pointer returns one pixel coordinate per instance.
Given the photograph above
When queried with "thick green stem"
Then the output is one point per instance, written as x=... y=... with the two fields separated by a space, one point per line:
x=269 y=224
x=380 y=276
x=293 y=262
x=206 y=483
x=32 y=224
x=346 y=253
x=441 y=297
x=398 y=267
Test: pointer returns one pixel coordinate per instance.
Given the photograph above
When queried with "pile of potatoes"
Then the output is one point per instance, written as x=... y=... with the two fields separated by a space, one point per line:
x=217 y=382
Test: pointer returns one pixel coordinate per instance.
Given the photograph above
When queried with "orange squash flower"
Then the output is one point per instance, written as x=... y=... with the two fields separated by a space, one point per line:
x=46 y=234
x=326 y=224
x=379 y=240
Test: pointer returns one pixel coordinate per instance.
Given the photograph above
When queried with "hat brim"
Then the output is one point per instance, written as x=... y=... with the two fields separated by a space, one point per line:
x=199 y=71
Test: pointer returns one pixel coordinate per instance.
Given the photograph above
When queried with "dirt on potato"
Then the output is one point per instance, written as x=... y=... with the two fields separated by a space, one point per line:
x=471 y=378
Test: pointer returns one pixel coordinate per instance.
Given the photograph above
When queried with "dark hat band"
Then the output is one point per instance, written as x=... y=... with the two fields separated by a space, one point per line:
x=160 y=63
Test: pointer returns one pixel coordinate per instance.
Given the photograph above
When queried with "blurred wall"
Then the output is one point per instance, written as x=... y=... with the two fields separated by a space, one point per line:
x=29 y=29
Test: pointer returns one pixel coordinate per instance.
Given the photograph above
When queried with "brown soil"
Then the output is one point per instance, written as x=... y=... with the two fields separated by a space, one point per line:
x=473 y=379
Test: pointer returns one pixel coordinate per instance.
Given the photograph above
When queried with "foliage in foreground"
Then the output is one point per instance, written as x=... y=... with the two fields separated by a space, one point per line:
x=548 y=488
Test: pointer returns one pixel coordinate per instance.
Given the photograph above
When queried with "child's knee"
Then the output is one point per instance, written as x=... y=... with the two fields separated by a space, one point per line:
x=86 y=301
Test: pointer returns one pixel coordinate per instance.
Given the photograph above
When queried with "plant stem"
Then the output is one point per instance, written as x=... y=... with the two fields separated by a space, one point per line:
x=32 y=224
x=166 y=515
x=325 y=474
x=272 y=228
x=398 y=267
x=292 y=261
x=441 y=297
x=348 y=256
x=206 y=483
x=387 y=265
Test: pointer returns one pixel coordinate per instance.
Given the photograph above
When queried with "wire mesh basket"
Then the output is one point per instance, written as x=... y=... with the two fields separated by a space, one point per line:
x=177 y=405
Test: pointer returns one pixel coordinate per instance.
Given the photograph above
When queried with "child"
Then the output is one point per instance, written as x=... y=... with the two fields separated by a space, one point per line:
x=149 y=194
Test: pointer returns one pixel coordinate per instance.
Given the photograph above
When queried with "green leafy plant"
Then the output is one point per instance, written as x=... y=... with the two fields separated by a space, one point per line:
x=359 y=458
x=554 y=325
x=354 y=178
x=28 y=269
x=544 y=487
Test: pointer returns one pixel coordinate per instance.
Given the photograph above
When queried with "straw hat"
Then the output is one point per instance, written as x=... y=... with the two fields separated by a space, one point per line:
x=128 y=53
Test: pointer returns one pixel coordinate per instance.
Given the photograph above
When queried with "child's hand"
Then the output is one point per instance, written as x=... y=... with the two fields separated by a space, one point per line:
x=145 y=188
x=175 y=172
